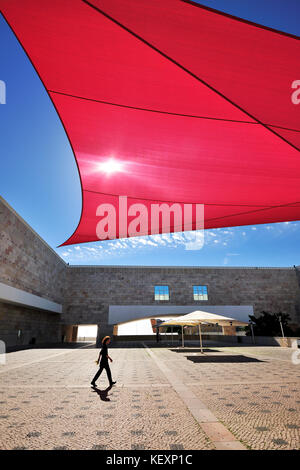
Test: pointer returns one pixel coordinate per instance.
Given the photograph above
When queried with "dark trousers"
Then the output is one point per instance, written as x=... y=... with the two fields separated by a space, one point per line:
x=103 y=365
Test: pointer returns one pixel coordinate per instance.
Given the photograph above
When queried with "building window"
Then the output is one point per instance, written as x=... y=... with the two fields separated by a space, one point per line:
x=200 y=292
x=161 y=292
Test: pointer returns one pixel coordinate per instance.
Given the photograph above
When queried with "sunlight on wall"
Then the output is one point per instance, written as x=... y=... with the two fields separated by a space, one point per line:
x=87 y=331
x=138 y=327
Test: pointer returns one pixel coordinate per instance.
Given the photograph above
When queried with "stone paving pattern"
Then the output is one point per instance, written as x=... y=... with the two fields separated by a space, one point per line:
x=46 y=401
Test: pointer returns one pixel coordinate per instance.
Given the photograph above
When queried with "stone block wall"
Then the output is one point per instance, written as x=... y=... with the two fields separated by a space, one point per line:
x=26 y=261
x=43 y=326
x=90 y=290
x=29 y=264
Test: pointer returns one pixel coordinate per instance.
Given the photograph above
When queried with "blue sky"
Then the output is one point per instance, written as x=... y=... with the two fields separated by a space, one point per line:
x=39 y=176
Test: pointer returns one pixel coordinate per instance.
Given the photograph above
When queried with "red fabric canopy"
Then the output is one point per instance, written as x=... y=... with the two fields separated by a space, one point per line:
x=189 y=105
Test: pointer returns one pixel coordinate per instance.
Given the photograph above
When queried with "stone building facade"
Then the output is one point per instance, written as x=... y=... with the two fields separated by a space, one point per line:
x=29 y=265
x=83 y=294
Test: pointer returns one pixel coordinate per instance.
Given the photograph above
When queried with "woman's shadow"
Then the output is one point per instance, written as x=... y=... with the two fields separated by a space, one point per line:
x=102 y=393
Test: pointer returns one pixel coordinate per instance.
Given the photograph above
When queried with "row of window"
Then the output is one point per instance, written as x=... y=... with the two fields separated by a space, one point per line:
x=162 y=293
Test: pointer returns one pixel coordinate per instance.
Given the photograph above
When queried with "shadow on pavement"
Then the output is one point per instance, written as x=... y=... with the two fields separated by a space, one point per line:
x=191 y=350
x=103 y=394
x=222 y=358
x=126 y=344
x=23 y=347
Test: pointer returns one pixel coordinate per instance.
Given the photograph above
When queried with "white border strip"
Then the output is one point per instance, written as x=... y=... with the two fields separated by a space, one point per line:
x=20 y=297
x=218 y=434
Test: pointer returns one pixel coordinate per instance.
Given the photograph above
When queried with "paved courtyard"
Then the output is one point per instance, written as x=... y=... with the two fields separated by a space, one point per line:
x=165 y=398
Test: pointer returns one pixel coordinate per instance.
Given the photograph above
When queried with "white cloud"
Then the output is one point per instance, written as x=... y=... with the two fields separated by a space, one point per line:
x=196 y=241
x=193 y=240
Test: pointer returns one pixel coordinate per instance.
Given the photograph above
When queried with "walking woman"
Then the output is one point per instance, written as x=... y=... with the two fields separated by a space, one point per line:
x=103 y=362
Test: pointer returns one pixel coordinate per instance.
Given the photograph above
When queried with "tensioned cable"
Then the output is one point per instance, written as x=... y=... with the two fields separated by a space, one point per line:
x=262 y=208
x=140 y=38
x=165 y=112
x=178 y=202
x=290 y=204
x=241 y=20
x=174 y=227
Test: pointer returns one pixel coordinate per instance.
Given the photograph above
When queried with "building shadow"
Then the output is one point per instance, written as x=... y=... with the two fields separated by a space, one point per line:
x=74 y=345
x=188 y=350
x=126 y=345
x=103 y=394
x=222 y=358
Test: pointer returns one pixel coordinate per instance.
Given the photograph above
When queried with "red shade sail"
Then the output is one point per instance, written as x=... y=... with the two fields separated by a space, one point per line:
x=170 y=102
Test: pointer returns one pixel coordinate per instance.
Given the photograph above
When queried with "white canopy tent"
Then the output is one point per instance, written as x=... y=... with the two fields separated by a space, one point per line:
x=198 y=317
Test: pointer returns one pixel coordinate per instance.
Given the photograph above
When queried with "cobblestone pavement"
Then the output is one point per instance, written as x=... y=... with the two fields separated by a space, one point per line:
x=46 y=401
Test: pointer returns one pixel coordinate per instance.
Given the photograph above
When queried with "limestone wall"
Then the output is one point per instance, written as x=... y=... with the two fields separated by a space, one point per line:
x=28 y=263
x=90 y=290
x=43 y=326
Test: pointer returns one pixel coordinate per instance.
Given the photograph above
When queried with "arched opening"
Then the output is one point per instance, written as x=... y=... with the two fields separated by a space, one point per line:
x=140 y=327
